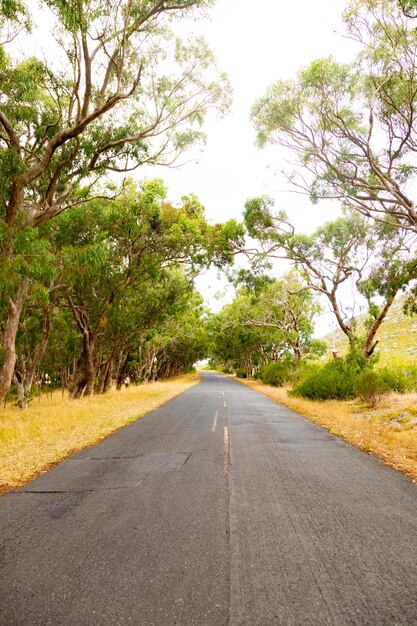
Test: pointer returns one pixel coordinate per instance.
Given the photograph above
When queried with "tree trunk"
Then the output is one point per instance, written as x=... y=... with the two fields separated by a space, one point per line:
x=14 y=310
x=370 y=344
x=104 y=378
x=297 y=347
x=82 y=379
x=122 y=367
x=29 y=371
x=21 y=400
x=107 y=378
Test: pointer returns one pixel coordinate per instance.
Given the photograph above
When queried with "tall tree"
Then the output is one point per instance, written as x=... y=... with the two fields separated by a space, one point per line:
x=273 y=322
x=369 y=259
x=116 y=253
x=352 y=127
x=119 y=91
x=287 y=305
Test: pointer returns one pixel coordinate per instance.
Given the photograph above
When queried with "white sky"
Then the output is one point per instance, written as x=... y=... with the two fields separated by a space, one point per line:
x=256 y=44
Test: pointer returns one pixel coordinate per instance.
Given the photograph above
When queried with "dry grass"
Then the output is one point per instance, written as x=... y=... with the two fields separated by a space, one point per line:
x=376 y=431
x=53 y=427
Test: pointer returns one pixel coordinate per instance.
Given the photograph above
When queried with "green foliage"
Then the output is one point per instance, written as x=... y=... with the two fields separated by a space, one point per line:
x=275 y=373
x=370 y=387
x=142 y=98
x=241 y=373
x=334 y=381
x=268 y=323
x=409 y=7
x=399 y=379
x=349 y=128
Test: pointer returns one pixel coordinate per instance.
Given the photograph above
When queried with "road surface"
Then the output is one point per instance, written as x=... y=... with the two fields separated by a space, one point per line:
x=221 y=507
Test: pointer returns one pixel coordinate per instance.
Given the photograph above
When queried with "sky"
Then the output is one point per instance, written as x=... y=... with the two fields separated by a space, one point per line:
x=256 y=44
x=256 y=47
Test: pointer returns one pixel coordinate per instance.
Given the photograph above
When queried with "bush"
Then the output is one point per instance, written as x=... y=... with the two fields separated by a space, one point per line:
x=275 y=373
x=370 y=387
x=395 y=379
x=241 y=373
x=400 y=380
x=333 y=381
x=272 y=374
x=302 y=371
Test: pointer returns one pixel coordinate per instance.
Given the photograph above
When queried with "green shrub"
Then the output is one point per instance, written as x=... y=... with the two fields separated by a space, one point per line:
x=333 y=381
x=370 y=387
x=395 y=379
x=302 y=371
x=275 y=373
x=272 y=374
x=400 y=380
x=241 y=373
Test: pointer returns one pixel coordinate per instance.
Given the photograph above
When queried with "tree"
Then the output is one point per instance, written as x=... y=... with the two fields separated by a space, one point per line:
x=176 y=343
x=288 y=306
x=116 y=262
x=369 y=258
x=107 y=101
x=272 y=323
x=234 y=342
x=352 y=128
x=409 y=7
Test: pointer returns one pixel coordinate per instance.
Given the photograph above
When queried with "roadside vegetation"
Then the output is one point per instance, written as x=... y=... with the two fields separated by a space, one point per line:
x=53 y=427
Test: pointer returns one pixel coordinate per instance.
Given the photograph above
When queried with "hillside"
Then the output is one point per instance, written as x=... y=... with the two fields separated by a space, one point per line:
x=397 y=337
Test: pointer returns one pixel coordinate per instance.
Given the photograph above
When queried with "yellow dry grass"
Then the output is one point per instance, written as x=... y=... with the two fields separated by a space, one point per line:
x=373 y=430
x=53 y=427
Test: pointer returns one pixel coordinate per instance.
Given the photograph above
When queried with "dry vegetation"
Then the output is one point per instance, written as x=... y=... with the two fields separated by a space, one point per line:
x=54 y=427
x=389 y=431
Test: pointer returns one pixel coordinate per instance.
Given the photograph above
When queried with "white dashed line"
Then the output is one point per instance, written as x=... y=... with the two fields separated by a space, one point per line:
x=226 y=450
x=215 y=422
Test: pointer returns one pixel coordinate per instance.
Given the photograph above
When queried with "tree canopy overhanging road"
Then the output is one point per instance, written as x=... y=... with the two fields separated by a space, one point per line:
x=219 y=507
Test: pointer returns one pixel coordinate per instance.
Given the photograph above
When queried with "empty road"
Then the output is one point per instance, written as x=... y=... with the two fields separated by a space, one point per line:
x=221 y=507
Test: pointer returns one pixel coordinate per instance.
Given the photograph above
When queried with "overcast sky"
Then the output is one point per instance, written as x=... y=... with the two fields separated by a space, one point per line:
x=256 y=43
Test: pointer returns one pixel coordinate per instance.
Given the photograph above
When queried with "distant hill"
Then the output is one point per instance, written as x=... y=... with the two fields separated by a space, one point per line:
x=397 y=336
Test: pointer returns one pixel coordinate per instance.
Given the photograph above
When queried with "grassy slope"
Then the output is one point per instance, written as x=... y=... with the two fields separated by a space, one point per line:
x=54 y=427
x=397 y=338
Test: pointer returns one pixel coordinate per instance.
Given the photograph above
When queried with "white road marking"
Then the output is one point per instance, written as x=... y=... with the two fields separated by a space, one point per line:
x=226 y=437
x=224 y=404
x=226 y=449
x=215 y=422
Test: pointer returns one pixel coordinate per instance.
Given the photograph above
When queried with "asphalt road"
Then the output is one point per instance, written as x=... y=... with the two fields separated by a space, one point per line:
x=220 y=507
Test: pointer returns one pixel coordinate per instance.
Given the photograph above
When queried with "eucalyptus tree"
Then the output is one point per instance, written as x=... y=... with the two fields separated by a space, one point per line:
x=409 y=7
x=115 y=91
x=271 y=323
x=369 y=259
x=287 y=305
x=237 y=344
x=33 y=338
x=116 y=262
x=352 y=127
x=176 y=342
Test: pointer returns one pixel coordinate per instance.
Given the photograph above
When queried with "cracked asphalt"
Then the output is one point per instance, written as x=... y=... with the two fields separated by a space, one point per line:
x=221 y=507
